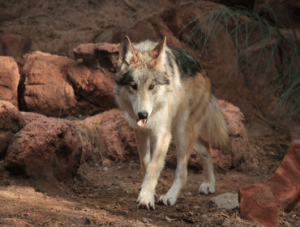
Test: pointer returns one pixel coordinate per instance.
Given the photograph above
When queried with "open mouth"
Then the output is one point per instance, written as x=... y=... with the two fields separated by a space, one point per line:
x=141 y=122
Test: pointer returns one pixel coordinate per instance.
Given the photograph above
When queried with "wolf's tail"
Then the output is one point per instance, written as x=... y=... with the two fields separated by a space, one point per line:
x=214 y=126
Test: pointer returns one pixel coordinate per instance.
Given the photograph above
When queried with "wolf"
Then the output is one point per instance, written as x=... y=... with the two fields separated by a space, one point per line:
x=165 y=93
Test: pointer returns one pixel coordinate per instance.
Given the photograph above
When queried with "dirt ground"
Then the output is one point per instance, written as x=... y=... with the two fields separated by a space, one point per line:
x=106 y=196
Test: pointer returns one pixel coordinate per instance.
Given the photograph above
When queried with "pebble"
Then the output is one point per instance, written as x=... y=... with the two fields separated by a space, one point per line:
x=226 y=223
x=204 y=216
x=145 y=220
x=105 y=169
x=188 y=194
x=287 y=224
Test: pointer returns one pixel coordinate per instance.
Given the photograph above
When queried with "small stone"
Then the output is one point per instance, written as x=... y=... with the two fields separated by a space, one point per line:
x=105 y=169
x=145 y=220
x=109 y=189
x=96 y=164
x=287 y=224
x=227 y=201
x=204 y=216
x=188 y=194
x=106 y=163
x=226 y=223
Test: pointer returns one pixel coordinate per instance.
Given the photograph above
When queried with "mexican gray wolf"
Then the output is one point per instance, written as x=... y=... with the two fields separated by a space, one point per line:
x=166 y=93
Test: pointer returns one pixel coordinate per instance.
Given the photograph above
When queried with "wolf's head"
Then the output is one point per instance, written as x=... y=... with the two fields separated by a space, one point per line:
x=141 y=78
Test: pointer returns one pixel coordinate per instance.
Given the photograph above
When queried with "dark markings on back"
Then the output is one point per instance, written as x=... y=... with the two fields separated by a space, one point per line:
x=124 y=79
x=169 y=58
x=187 y=64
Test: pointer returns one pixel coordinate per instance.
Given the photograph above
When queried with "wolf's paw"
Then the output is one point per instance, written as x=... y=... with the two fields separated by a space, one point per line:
x=207 y=188
x=167 y=200
x=146 y=200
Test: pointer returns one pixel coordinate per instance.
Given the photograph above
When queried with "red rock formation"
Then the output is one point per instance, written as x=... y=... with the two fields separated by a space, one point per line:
x=44 y=149
x=94 y=88
x=11 y=122
x=261 y=203
x=9 y=80
x=46 y=89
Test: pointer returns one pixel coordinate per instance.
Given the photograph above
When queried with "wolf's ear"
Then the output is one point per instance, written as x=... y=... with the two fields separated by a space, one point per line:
x=127 y=54
x=158 y=52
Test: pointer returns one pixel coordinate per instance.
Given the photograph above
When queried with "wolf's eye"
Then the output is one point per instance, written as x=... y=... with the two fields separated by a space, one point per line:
x=151 y=87
x=134 y=86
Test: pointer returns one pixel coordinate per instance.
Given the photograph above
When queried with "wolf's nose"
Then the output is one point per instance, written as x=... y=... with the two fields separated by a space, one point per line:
x=143 y=115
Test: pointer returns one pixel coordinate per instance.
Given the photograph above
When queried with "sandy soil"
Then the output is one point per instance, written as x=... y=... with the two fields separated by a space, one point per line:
x=106 y=196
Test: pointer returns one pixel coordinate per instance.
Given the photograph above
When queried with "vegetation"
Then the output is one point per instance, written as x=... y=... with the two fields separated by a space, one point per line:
x=242 y=26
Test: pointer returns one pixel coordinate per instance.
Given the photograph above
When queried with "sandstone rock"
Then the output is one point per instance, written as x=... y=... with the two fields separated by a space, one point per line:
x=227 y=201
x=261 y=203
x=285 y=182
x=242 y=153
x=113 y=136
x=95 y=86
x=44 y=149
x=11 y=122
x=105 y=53
x=46 y=89
x=257 y=204
x=9 y=80
x=30 y=117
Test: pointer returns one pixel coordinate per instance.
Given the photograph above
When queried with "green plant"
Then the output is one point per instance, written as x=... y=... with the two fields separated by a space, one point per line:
x=242 y=27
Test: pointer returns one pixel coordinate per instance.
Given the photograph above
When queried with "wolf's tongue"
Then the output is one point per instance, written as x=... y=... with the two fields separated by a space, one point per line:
x=141 y=122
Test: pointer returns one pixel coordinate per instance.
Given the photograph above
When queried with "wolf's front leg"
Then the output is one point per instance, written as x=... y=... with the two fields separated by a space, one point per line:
x=146 y=196
x=143 y=142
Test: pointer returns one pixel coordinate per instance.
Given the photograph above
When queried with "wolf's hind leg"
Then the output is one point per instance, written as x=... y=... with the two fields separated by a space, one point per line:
x=208 y=185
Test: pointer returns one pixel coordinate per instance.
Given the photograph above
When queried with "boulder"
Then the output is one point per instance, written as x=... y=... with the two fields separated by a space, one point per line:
x=257 y=204
x=104 y=54
x=261 y=203
x=93 y=87
x=243 y=155
x=9 y=80
x=113 y=136
x=56 y=86
x=45 y=89
x=11 y=122
x=30 y=117
x=46 y=148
